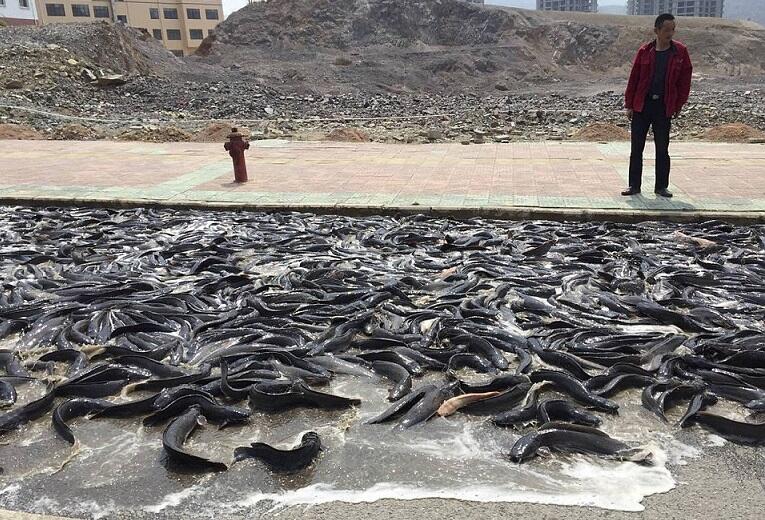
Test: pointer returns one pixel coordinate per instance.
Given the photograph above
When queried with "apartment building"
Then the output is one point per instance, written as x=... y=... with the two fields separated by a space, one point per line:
x=180 y=25
x=18 y=12
x=713 y=8
x=590 y=6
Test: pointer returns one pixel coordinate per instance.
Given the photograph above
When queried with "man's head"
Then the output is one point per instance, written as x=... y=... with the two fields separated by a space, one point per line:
x=664 y=27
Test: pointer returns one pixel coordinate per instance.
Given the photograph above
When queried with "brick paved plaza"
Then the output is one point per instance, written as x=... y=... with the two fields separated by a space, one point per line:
x=540 y=177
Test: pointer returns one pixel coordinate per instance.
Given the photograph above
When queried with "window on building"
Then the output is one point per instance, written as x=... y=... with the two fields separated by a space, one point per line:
x=54 y=10
x=173 y=34
x=154 y=13
x=24 y=4
x=178 y=53
x=170 y=14
x=193 y=14
x=122 y=18
x=211 y=14
x=195 y=34
x=81 y=10
x=100 y=11
x=157 y=34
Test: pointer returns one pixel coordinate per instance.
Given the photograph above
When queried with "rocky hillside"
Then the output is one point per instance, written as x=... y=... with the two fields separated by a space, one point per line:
x=449 y=45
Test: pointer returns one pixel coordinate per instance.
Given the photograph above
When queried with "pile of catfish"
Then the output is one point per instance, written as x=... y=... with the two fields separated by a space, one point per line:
x=535 y=325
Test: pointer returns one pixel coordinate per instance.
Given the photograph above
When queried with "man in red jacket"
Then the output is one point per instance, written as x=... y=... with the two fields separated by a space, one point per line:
x=659 y=85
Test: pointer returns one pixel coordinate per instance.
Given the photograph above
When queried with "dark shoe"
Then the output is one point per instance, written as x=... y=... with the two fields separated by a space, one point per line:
x=664 y=192
x=631 y=191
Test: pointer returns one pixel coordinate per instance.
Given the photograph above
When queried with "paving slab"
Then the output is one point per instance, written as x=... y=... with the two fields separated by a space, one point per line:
x=554 y=179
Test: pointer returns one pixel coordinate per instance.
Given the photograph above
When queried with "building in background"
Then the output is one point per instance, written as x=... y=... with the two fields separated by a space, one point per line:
x=18 y=12
x=590 y=6
x=713 y=8
x=180 y=25
x=753 y=10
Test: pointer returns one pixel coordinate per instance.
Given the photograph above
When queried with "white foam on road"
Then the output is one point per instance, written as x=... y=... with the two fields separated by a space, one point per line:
x=620 y=489
x=174 y=499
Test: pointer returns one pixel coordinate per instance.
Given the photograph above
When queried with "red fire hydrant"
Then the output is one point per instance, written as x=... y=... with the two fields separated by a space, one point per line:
x=236 y=146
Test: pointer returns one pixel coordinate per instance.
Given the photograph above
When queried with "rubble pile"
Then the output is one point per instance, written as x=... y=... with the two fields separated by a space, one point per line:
x=405 y=71
x=451 y=46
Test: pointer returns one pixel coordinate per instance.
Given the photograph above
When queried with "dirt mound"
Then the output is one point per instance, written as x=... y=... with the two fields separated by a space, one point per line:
x=70 y=66
x=14 y=131
x=217 y=133
x=601 y=132
x=163 y=134
x=352 y=135
x=103 y=45
x=451 y=45
x=733 y=133
x=345 y=24
x=76 y=132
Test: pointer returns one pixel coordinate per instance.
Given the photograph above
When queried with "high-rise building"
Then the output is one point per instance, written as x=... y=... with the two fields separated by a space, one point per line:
x=180 y=25
x=713 y=8
x=590 y=6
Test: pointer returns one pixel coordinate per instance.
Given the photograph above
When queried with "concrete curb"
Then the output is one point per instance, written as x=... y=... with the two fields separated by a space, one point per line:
x=495 y=212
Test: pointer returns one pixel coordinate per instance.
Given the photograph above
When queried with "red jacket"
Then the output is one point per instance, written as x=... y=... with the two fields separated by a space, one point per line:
x=678 y=81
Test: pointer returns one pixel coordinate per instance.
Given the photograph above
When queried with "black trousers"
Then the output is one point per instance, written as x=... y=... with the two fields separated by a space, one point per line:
x=653 y=115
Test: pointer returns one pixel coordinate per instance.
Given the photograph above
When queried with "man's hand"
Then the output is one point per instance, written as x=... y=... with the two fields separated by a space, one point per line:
x=629 y=114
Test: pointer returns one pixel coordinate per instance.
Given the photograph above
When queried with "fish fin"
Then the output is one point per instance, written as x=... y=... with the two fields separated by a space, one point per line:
x=202 y=421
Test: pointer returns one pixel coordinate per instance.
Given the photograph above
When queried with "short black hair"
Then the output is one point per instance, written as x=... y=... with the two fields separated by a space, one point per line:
x=663 y=18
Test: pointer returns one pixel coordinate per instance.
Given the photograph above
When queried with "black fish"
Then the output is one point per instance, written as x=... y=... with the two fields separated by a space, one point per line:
x=176 y=434
x=11 y=364
x=170 y=382
x=562 y=410
x=156 y=368
x=734 y=431
x=575 y=389
x=402 y=405
x=573 y=439
x=473 y=361
x=500 y=403
x=396 y=373
x=28 y=412
x=71 y=409
x=408 y=363
x=219 y=414
x=523 y=414
x=76 y=359
x=698 y=403
x=297 y=395
x=622 y=382
x=293 y=459
x=427 y=406
x=499 y=383
x=7 y=393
